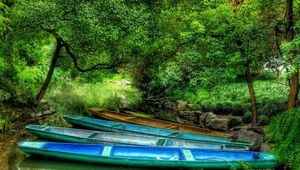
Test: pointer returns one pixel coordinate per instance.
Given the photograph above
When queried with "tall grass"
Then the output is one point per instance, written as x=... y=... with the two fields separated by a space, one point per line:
x=234 y=98
x=72 y=98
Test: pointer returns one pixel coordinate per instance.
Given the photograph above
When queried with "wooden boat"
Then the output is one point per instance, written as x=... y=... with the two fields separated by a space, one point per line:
x=89 y=136
x=149 y=156
x=139 y=114
x=157 y=123
x=135 y=113
x=106 y=125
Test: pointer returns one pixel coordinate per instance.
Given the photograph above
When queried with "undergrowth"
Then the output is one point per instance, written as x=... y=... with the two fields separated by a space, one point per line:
x=74 y=98
x=283 y=132
x=233 y=98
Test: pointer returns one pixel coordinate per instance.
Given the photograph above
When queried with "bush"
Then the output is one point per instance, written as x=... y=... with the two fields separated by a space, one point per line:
x=235 y=122
x=247 y=117
x=263 y=120
x=283 y=132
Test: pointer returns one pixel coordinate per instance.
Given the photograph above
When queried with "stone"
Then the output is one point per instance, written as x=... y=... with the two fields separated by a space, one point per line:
x=123 y=83
x=206 y=117
x=169 y=105
x=185 y=113
x=197 y=112
x=250 y=136
x=218 y=124
x=181 y=105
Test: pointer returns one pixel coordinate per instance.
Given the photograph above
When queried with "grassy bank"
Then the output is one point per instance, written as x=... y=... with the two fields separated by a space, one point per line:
x=74 y=97
x=233 y=98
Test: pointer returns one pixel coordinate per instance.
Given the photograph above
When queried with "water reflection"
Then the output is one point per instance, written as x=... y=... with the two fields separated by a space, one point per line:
x=34 y=163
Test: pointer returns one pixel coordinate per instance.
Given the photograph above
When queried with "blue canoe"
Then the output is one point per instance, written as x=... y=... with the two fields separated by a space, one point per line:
x=149 y=156
x=106 y=125
x=90 y=136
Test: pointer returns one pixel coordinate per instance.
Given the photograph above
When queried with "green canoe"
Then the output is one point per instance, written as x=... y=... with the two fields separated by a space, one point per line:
x=90 y=136
x=149 y=156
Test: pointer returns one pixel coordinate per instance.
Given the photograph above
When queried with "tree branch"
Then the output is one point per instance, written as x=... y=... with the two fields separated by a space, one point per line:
x=75 y=58
x=96 y=66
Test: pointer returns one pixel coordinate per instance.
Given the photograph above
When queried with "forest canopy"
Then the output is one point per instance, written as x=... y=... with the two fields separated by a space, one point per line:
x=237 y=57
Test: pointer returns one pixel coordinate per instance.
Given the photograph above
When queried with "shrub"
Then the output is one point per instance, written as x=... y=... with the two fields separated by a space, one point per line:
x=283 y=132
x=263 y=120
x=234 y=122
x=247 y=117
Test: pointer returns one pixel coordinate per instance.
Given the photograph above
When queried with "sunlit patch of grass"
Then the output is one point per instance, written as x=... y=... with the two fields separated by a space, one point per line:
x=74 y=98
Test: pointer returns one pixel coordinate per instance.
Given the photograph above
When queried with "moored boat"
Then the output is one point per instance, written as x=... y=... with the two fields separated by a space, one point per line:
x=105 y=125
x=152 y=122
x=90 y=136
x=150 y=156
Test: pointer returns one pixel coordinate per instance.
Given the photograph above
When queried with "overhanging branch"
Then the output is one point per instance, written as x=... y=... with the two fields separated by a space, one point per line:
x=94 y=67
x=75 y=58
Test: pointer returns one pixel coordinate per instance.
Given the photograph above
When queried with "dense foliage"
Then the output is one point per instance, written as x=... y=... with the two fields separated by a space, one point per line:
x=227 y=56
x=284 y=133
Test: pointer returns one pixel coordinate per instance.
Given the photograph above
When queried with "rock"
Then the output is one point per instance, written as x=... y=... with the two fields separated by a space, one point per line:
x=184 y=113
x=123 y=83
x=205 y=118
x=169 y=105
x=181 y=105
x=197 y=112
x=218 y=124
x=250 y=136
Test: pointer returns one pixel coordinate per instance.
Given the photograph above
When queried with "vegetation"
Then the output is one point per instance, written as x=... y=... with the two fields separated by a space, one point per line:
x=237 y=57
x=283 y=132
x=74 y=98
x=233 y=98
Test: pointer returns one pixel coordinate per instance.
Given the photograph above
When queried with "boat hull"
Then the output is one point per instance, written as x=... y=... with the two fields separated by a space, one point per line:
x=149 y=156
x=152 y=122
x=89 y=136
x=105 y=125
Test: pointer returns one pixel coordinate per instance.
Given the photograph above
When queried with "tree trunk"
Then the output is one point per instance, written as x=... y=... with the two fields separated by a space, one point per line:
x=54 y=59
x=252 y=94
x=294 y=81
x=294 y=89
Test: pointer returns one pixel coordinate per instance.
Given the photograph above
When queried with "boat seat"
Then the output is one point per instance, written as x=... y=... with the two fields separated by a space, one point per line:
x=161 y=142
x=187 y=155
x=93 y=135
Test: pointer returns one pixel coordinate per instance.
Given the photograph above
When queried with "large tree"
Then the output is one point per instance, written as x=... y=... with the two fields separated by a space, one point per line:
x=294 y=80
x=93 y=34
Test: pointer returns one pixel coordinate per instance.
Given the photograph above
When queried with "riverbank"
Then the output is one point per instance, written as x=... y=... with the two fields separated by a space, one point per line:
x=11 y=156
